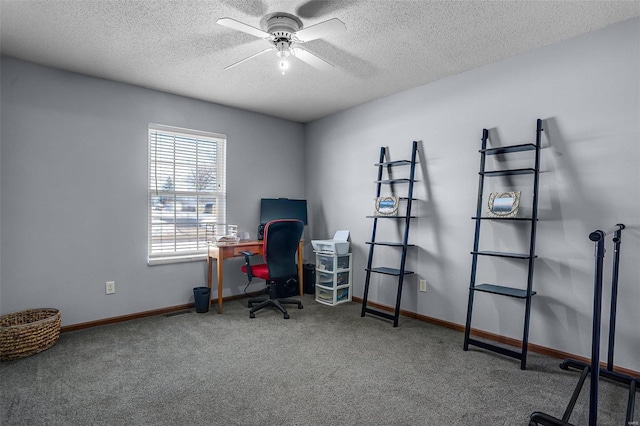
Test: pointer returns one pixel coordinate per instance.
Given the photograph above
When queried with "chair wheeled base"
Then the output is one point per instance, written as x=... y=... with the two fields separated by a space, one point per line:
x=273 y=303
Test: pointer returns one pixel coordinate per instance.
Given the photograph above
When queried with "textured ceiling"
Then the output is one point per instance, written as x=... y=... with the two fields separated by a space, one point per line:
x=389 y=46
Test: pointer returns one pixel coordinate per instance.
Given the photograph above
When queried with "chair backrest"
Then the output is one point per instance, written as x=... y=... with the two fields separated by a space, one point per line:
x=281 y=238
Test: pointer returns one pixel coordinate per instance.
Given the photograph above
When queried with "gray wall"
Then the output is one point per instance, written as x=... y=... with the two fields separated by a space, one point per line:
x=73 y=164
x=587 y=91
x=74 y=190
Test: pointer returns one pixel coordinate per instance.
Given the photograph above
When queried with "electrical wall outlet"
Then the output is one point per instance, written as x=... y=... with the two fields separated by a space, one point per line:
x=423 y=286
x=110 y=287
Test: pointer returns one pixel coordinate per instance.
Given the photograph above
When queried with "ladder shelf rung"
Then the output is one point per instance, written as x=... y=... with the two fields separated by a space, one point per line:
x=503 y=254
x=526 y=219
x=504 y=291
x=390 y=217
x=388 y=243
x=388 y=271
x=395 y=163
x=379 y=313
x=495 y=348
x=525 y=171
x=507 y=149
x=388 y=181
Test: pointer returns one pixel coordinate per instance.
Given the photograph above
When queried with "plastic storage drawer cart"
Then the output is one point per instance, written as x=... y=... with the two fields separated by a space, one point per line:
x=333 y=278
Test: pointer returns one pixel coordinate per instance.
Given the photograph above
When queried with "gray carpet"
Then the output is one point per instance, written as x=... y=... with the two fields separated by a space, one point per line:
x=324 y=366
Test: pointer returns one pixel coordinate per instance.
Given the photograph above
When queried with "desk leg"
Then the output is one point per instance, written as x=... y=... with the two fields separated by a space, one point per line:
x=209 y=272
x=219 y=264
x=300 y=269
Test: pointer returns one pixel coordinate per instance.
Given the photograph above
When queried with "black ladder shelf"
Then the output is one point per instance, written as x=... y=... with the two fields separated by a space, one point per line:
x=515 y=292
x=401 y=271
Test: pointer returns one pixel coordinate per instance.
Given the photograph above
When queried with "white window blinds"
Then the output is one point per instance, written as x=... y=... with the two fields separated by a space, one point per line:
x=187 y=191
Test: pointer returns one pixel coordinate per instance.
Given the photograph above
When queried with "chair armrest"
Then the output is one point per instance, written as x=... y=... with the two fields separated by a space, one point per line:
x=247 y=262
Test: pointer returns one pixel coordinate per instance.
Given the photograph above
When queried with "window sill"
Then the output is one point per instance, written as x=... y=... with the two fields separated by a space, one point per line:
x=176 y=259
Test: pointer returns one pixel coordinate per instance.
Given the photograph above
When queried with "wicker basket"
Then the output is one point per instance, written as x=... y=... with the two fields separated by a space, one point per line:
x=28 y=332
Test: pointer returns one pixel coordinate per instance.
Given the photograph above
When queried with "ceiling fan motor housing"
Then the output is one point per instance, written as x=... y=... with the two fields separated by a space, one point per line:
x=282 y=26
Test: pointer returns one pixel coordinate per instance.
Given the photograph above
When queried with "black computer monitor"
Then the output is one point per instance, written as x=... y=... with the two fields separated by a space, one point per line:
x=282 y=208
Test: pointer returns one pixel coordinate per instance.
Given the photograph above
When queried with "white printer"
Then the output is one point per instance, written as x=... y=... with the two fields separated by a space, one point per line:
x=338 y=245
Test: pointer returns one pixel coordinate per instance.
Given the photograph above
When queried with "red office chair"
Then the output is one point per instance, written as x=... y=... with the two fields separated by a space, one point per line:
x=281 y=238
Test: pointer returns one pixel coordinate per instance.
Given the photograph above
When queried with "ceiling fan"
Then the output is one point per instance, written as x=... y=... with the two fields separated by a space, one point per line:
x=285 y=33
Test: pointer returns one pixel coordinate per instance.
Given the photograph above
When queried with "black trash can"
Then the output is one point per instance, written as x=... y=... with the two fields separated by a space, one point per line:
x=309 y=278
x=202 y=297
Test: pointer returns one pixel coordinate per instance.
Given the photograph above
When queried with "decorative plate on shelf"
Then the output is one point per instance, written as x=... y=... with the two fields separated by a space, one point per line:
x=503 y=204
x=386 y=206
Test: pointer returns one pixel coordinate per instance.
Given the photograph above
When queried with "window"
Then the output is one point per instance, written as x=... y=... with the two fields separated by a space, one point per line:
x=187 y=191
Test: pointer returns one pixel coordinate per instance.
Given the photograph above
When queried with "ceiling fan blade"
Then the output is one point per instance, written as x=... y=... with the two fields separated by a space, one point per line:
x=240 y=26
x=312 y=59
x=316 y=8
x=323 y=29
x=250 y=57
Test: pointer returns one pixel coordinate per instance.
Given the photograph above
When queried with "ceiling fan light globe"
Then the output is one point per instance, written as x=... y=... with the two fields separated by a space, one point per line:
x=282 y=49
x=283 y=65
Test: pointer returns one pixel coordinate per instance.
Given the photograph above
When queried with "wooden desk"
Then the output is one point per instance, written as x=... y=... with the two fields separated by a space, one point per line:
x=222 y=251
